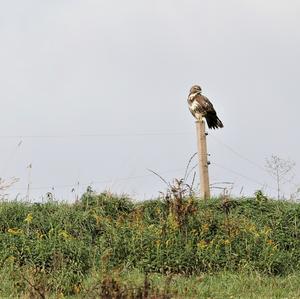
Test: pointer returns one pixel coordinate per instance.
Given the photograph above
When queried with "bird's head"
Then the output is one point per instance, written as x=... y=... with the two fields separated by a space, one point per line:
x=195 y=89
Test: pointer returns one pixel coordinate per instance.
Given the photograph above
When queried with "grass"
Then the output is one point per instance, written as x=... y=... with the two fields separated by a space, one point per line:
x=105 y=245
x=132 y=284
x=222 y=285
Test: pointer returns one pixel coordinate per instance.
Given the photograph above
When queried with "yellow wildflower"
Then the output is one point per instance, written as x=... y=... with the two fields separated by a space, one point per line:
x=50 y=232
x=29 y=218
x=252 y=228
x=202 y=244
x=15 y=231
x=267 y=230
x=256 y=235
x=39 y=235
x=226 y=242
x=205 y=227
x=168 y=242
x=172 y=223
x=65 y=234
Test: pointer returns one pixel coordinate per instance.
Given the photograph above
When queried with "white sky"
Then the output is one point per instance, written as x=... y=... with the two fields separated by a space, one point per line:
x=123 y=69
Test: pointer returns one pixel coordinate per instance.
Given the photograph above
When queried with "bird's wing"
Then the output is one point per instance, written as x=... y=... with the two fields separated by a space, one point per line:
x=205 y=103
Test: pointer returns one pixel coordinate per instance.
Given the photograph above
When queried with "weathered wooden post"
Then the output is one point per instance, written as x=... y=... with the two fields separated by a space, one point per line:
x=202 y=155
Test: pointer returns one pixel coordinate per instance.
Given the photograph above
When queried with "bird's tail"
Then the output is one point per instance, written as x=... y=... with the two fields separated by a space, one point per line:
x=214 y=122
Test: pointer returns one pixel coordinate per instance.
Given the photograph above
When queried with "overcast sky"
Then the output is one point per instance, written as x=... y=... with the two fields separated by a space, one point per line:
x=95 y=92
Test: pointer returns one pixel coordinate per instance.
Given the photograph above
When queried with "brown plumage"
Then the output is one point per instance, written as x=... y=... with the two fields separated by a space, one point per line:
x=200 y=105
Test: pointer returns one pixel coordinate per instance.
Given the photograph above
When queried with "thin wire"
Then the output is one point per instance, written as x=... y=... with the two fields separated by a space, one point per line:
x=53 y=187
x=97 y=135
x=250 y=161
x=136 y=135
x=241 y=175
x=240 y=155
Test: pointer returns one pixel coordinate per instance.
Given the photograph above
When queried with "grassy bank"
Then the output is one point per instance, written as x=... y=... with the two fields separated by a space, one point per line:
x=61 y=248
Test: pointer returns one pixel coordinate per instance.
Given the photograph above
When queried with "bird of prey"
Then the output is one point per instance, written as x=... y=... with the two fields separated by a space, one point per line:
x=200 y=106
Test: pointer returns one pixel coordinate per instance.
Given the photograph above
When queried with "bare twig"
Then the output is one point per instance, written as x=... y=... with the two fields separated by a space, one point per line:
x=187 y=167
x=5 y=185
x=168 y=184
x=191 y=170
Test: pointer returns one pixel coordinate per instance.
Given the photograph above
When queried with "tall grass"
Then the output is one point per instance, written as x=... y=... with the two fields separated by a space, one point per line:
x=58 y=245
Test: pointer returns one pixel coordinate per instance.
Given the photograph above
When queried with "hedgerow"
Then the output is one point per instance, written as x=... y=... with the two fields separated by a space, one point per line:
x=64 y=242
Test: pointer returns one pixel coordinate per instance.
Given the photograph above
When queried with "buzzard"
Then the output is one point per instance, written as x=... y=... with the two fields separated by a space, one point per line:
x=200 y=105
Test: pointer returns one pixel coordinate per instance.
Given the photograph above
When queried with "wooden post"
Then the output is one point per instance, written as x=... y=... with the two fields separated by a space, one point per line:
x=203 y=163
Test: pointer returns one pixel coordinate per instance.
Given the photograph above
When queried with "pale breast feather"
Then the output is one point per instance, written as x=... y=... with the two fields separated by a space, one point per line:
x=193 y=95
x=195 y=106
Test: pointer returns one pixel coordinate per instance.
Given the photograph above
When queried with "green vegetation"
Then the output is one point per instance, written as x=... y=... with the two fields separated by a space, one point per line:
x=105 y=244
